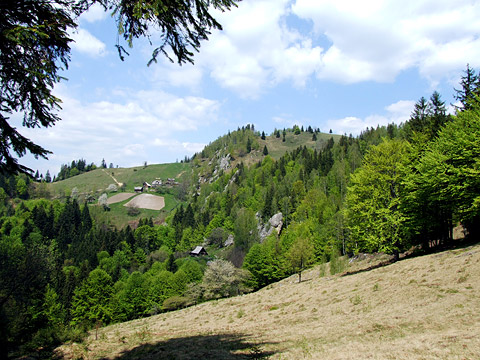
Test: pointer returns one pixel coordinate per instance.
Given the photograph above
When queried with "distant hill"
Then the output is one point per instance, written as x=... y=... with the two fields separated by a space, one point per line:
x=243 y=145
x=418 y=308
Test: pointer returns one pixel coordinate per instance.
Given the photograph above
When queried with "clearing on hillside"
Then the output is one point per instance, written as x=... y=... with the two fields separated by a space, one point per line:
x=119 y=198
x=147 y=201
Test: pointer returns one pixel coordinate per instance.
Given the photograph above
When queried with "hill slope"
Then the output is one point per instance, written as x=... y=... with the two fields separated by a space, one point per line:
x=419 y=308
x=99 y=179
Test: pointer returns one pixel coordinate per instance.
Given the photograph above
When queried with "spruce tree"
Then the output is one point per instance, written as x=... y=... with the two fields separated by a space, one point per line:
x=470 y=85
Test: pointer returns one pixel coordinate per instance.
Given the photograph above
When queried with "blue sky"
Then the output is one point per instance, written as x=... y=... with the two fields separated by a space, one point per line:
x=341 y=65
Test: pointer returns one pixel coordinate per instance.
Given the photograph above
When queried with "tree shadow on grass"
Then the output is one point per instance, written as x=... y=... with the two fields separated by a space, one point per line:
x=215 y=347
x=451 y=245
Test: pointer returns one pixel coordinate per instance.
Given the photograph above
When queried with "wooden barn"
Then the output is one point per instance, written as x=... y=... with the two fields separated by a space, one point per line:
x=198 y=251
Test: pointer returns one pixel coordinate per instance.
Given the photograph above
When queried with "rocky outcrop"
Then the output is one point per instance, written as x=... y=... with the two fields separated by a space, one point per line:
x=224 y=162
x=229 y=241
x=275 y=223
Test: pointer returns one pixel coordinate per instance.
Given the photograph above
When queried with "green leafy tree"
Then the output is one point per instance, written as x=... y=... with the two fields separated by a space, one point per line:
x=133 y=298
x=448 y=175
x=161 y=288
x=53 y=309
x=245 y=229
x=22 y=190
x=92 y=300
x=223 y=279
x=265 y=262
x=300 y=255
x=374 y=218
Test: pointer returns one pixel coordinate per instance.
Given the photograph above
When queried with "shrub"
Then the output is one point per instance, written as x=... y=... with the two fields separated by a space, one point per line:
x=133 y=210
x=338 y=263
x=112 y=188
x=175 y=302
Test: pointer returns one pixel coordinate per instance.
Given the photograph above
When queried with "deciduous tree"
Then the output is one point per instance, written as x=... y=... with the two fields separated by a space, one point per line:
x=373 y=216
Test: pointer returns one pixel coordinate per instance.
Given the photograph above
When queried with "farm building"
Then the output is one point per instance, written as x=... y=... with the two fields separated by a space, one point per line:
x=138 y=188
x=157 y=182
x=199 y=251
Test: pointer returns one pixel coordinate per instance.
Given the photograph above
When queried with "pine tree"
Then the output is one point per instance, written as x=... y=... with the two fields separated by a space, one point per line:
x=470 y=87
x=265 y=150
x=439 y=115
x=263 y=135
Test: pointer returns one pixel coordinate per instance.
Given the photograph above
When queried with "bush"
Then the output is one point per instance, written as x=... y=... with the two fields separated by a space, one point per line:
x=338 y=263
x=112 y=188
x=133 y=210
x=175 y=302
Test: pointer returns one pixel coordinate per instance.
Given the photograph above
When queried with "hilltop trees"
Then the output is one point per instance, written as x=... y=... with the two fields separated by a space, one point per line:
x=469 y=91
x=427 y=118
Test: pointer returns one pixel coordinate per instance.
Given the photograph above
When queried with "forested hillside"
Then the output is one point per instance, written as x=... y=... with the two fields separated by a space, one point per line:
x=263 y=207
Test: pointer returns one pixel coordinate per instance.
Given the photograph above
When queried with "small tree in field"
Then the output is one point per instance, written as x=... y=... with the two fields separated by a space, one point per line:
x=112 y=188
x=103 y=201
x=222 y=279
x=300 y=255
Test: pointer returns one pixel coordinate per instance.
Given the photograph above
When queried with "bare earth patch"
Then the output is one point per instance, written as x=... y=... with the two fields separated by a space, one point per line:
x=119 y=198
x=147 y=201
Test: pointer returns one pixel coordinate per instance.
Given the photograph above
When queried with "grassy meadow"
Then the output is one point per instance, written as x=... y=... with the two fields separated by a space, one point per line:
x=97 y=181
x=418 y=308
x=118 y=215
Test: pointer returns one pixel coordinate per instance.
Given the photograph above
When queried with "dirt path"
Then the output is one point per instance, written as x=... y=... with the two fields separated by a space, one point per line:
x=118 y=183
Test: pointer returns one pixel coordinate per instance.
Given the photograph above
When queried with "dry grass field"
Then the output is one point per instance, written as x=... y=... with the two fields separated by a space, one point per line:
x=119 y=198
x=419 y=308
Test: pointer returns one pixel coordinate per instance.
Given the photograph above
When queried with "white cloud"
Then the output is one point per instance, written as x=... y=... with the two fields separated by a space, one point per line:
x=151 y=126
x=174 y=145
x=395 y=113
x=257 y=50
x=266 y=42
x=87 y=43
x=96 y=12
x=379 y=39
